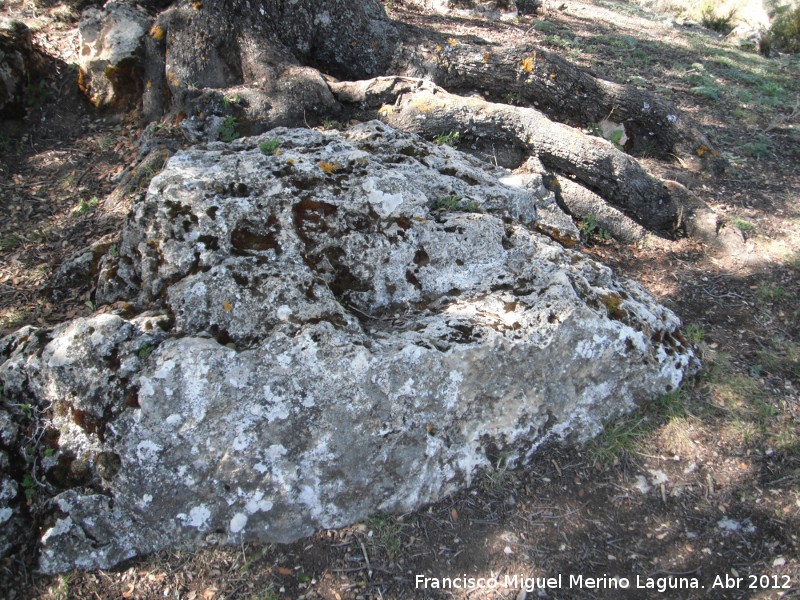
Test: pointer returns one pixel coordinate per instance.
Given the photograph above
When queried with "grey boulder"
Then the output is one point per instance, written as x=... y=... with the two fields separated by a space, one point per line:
x=343 y=324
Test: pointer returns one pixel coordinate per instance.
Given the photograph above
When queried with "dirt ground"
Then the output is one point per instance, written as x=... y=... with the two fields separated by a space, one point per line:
x=701 y=487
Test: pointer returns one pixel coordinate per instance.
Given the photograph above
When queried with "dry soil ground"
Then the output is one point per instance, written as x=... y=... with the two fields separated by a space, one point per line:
x=699 y=484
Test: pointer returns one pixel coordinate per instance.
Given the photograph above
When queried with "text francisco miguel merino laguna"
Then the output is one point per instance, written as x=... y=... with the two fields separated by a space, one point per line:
x=571 y=581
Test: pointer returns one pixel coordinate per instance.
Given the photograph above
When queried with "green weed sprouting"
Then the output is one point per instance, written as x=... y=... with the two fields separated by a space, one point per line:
x=451 y=138
x=229 y=130
x=85 y=206
x=269 y=146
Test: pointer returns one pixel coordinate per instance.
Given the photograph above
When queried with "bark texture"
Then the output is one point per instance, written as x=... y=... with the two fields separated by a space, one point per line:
x=421 y=107
x=276 y=47
x=531 y=76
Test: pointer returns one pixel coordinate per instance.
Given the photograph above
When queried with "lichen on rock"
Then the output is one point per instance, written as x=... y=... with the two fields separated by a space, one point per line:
x=318 y=344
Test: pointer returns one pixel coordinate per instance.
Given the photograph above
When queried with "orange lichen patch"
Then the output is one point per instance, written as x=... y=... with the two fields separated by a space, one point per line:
x=552 y=75
x=439 y=47
x=703 y=150
x=227 y=306
x=452 y=41
x=528 y=64
x=328 y=167
x=486 y=57
x=290 y=161
x=423 y=106
x=157 y=32
x=197 y=5
x=173 y=79
x=148 y=84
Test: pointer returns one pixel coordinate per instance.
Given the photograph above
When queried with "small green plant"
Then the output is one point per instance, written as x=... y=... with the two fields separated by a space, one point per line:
x=670 y=406
x=472 y=206
x=703 y=84
x=710 y=91
x=145 y=350
x=113 y=251
x=721 y=23
x=269 y=146
x=229 y=130
x=742 y=225
x=450 y=138
x=497 y=480
x=759 y=148
x=330 y=124
x=85 y=206
x=60 y=591
x=694 y=333
x=29 y=485
x=387 y=532
x=589 y=228
x=617 y=442
x=545 y=26
x=233 y=99
x=447 y=203
x=769 y=292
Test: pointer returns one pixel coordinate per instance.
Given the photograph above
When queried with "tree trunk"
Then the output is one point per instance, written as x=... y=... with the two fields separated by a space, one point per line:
x=274 y=48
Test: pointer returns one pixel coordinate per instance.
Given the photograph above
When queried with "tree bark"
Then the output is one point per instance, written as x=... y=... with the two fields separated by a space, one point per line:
x=421 y=107
x=530 y=76
x=266 y=46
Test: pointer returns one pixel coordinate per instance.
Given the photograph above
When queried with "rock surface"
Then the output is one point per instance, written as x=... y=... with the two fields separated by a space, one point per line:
x=111 y=53
x=343 y=324
x=19 y=64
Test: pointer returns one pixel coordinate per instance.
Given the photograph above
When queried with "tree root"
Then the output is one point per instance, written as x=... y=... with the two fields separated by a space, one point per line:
x=531 y=76
x=593 y=172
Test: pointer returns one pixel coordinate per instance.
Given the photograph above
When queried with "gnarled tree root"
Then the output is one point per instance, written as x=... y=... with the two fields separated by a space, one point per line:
x=531 y=76
x=609 y=176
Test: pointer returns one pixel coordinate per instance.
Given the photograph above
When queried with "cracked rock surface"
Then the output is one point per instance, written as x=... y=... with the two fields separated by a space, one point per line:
x=343 y=324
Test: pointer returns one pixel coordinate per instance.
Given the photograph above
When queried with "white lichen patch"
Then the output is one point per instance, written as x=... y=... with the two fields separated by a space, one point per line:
x=238 y=522
x=147 y=451
x=198 y=517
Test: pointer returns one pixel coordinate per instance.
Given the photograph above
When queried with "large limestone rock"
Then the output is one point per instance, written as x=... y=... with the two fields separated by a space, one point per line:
x=19 y=66
x=111 y=54
x=357 y=322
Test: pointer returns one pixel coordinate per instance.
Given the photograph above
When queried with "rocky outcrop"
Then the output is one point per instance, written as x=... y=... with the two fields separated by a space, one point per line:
x=19 y=66
x=111 y=54
x=327 y=325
